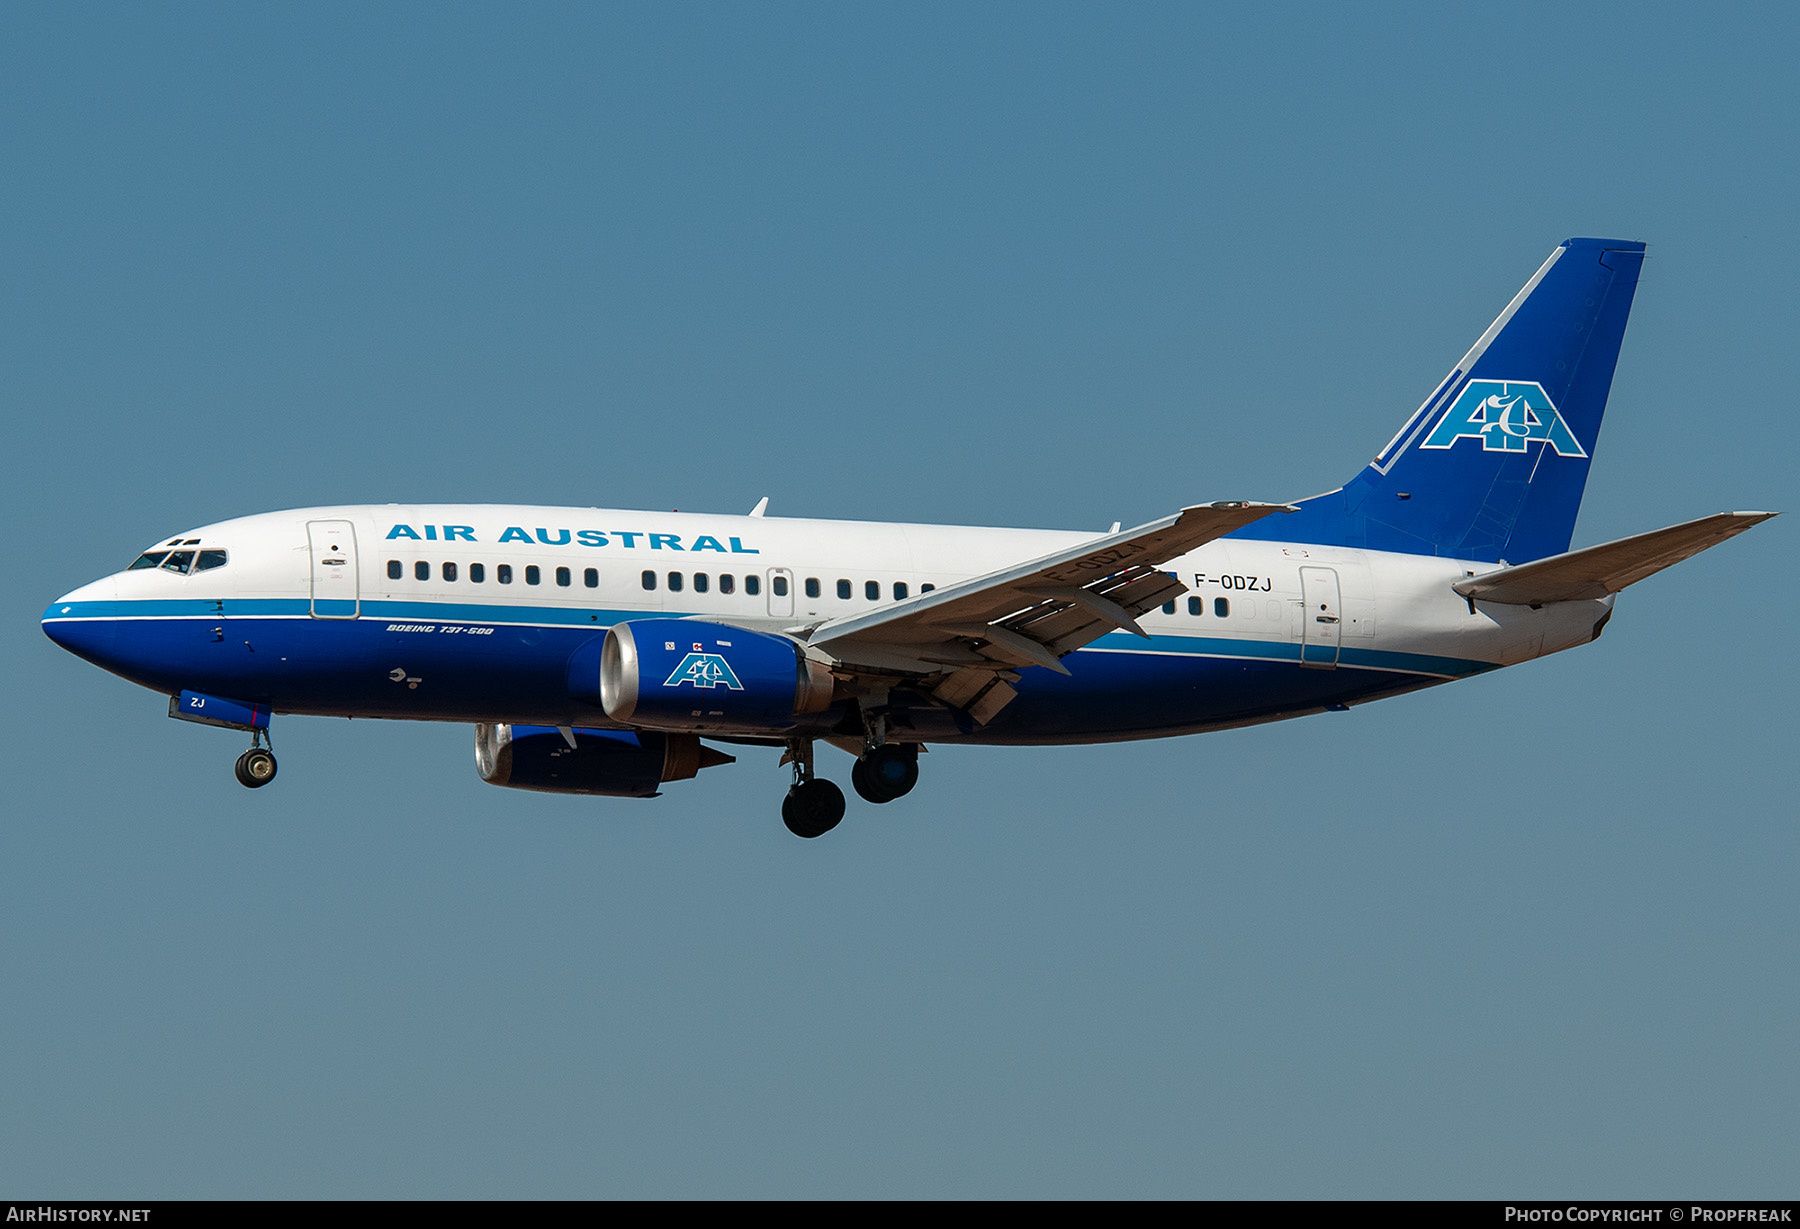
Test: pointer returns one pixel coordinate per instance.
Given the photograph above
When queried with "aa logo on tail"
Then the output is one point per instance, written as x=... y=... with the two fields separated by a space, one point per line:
x=703 y=670
x=1505 y=415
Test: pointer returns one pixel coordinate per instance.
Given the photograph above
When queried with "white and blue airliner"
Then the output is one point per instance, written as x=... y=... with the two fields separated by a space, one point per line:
x=594 y=649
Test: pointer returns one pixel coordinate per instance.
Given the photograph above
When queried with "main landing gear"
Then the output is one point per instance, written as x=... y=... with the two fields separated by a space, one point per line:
x=814 y=806
x=886 y=773
x=256 y=767
x=883 y=772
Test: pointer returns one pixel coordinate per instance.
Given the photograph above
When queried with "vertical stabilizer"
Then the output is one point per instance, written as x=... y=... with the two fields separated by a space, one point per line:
x=1492 y=465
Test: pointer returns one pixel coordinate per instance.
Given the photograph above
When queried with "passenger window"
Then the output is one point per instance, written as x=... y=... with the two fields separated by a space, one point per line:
x=532 y=575
x=872 y=590
x=649 y=580
x=591 y=578
x=726 y=583
x=843 y=590
x=179 y=561
x=1222 y=607
x=1196 y=606
x=753 y=585
x=675 y=581
x=395 y=571
x=899 y=589
x=812 y=586
x=421 y=570
x=926 y=588
x=1168 y=607
x=209 y=559
x=148 y=559
x=477 y=573
x=563 y=578
x=503 y=573
x=449 y=571
x=702 y=582
x=780 y=583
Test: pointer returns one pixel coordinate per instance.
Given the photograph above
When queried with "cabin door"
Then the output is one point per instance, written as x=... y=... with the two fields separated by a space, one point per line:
x=334 y=583
x=1321 y=618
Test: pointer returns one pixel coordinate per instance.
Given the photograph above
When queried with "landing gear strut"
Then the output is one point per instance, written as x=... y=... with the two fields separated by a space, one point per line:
x=814 y=806
x=256 y=767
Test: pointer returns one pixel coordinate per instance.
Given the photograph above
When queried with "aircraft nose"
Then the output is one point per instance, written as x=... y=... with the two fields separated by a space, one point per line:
x=70 y=621
x=84 y=638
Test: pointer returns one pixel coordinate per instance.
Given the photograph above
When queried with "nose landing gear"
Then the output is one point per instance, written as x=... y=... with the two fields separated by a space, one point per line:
x=256 y=767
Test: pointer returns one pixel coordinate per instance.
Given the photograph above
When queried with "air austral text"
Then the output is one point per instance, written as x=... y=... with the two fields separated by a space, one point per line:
x=626 y=538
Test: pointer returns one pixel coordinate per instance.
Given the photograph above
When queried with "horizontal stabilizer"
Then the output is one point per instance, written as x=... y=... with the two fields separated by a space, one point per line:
x=1597 y=571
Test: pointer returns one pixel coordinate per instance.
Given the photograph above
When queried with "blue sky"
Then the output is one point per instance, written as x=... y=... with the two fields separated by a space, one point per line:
x=994 y=264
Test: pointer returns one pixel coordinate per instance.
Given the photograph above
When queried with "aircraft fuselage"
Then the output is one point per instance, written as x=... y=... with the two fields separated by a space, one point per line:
x=416 y=623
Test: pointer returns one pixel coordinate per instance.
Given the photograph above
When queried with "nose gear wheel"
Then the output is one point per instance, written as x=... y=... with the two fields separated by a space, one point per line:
x=256 y=767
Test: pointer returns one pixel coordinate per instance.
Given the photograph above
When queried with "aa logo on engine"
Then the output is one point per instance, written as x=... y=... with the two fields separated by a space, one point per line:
x=1505 y=415
x=703 y=670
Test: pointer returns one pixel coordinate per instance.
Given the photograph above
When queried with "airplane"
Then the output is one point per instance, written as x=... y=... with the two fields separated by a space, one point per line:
x=594 y=649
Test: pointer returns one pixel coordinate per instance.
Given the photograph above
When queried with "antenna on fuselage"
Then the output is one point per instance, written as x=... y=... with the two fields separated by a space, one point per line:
x=762 y=506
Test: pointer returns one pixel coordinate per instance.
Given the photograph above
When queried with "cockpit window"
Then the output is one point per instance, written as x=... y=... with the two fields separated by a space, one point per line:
x=182 y=561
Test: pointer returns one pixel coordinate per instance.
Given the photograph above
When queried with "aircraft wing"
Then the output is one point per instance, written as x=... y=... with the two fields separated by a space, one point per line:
x=973 y=634
x=1597 y=571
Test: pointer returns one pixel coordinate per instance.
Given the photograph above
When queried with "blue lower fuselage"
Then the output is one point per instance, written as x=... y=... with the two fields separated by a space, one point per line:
x=437 y=662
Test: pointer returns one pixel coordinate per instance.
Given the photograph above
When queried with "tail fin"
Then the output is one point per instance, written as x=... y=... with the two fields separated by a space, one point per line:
x=1493 y=464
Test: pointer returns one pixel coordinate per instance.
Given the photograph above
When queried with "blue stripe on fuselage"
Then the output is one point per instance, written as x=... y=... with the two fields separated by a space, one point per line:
x=510 y=663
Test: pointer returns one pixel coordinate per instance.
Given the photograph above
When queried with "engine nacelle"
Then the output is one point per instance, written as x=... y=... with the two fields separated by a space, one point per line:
x=614 y=763
x=692 y=675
